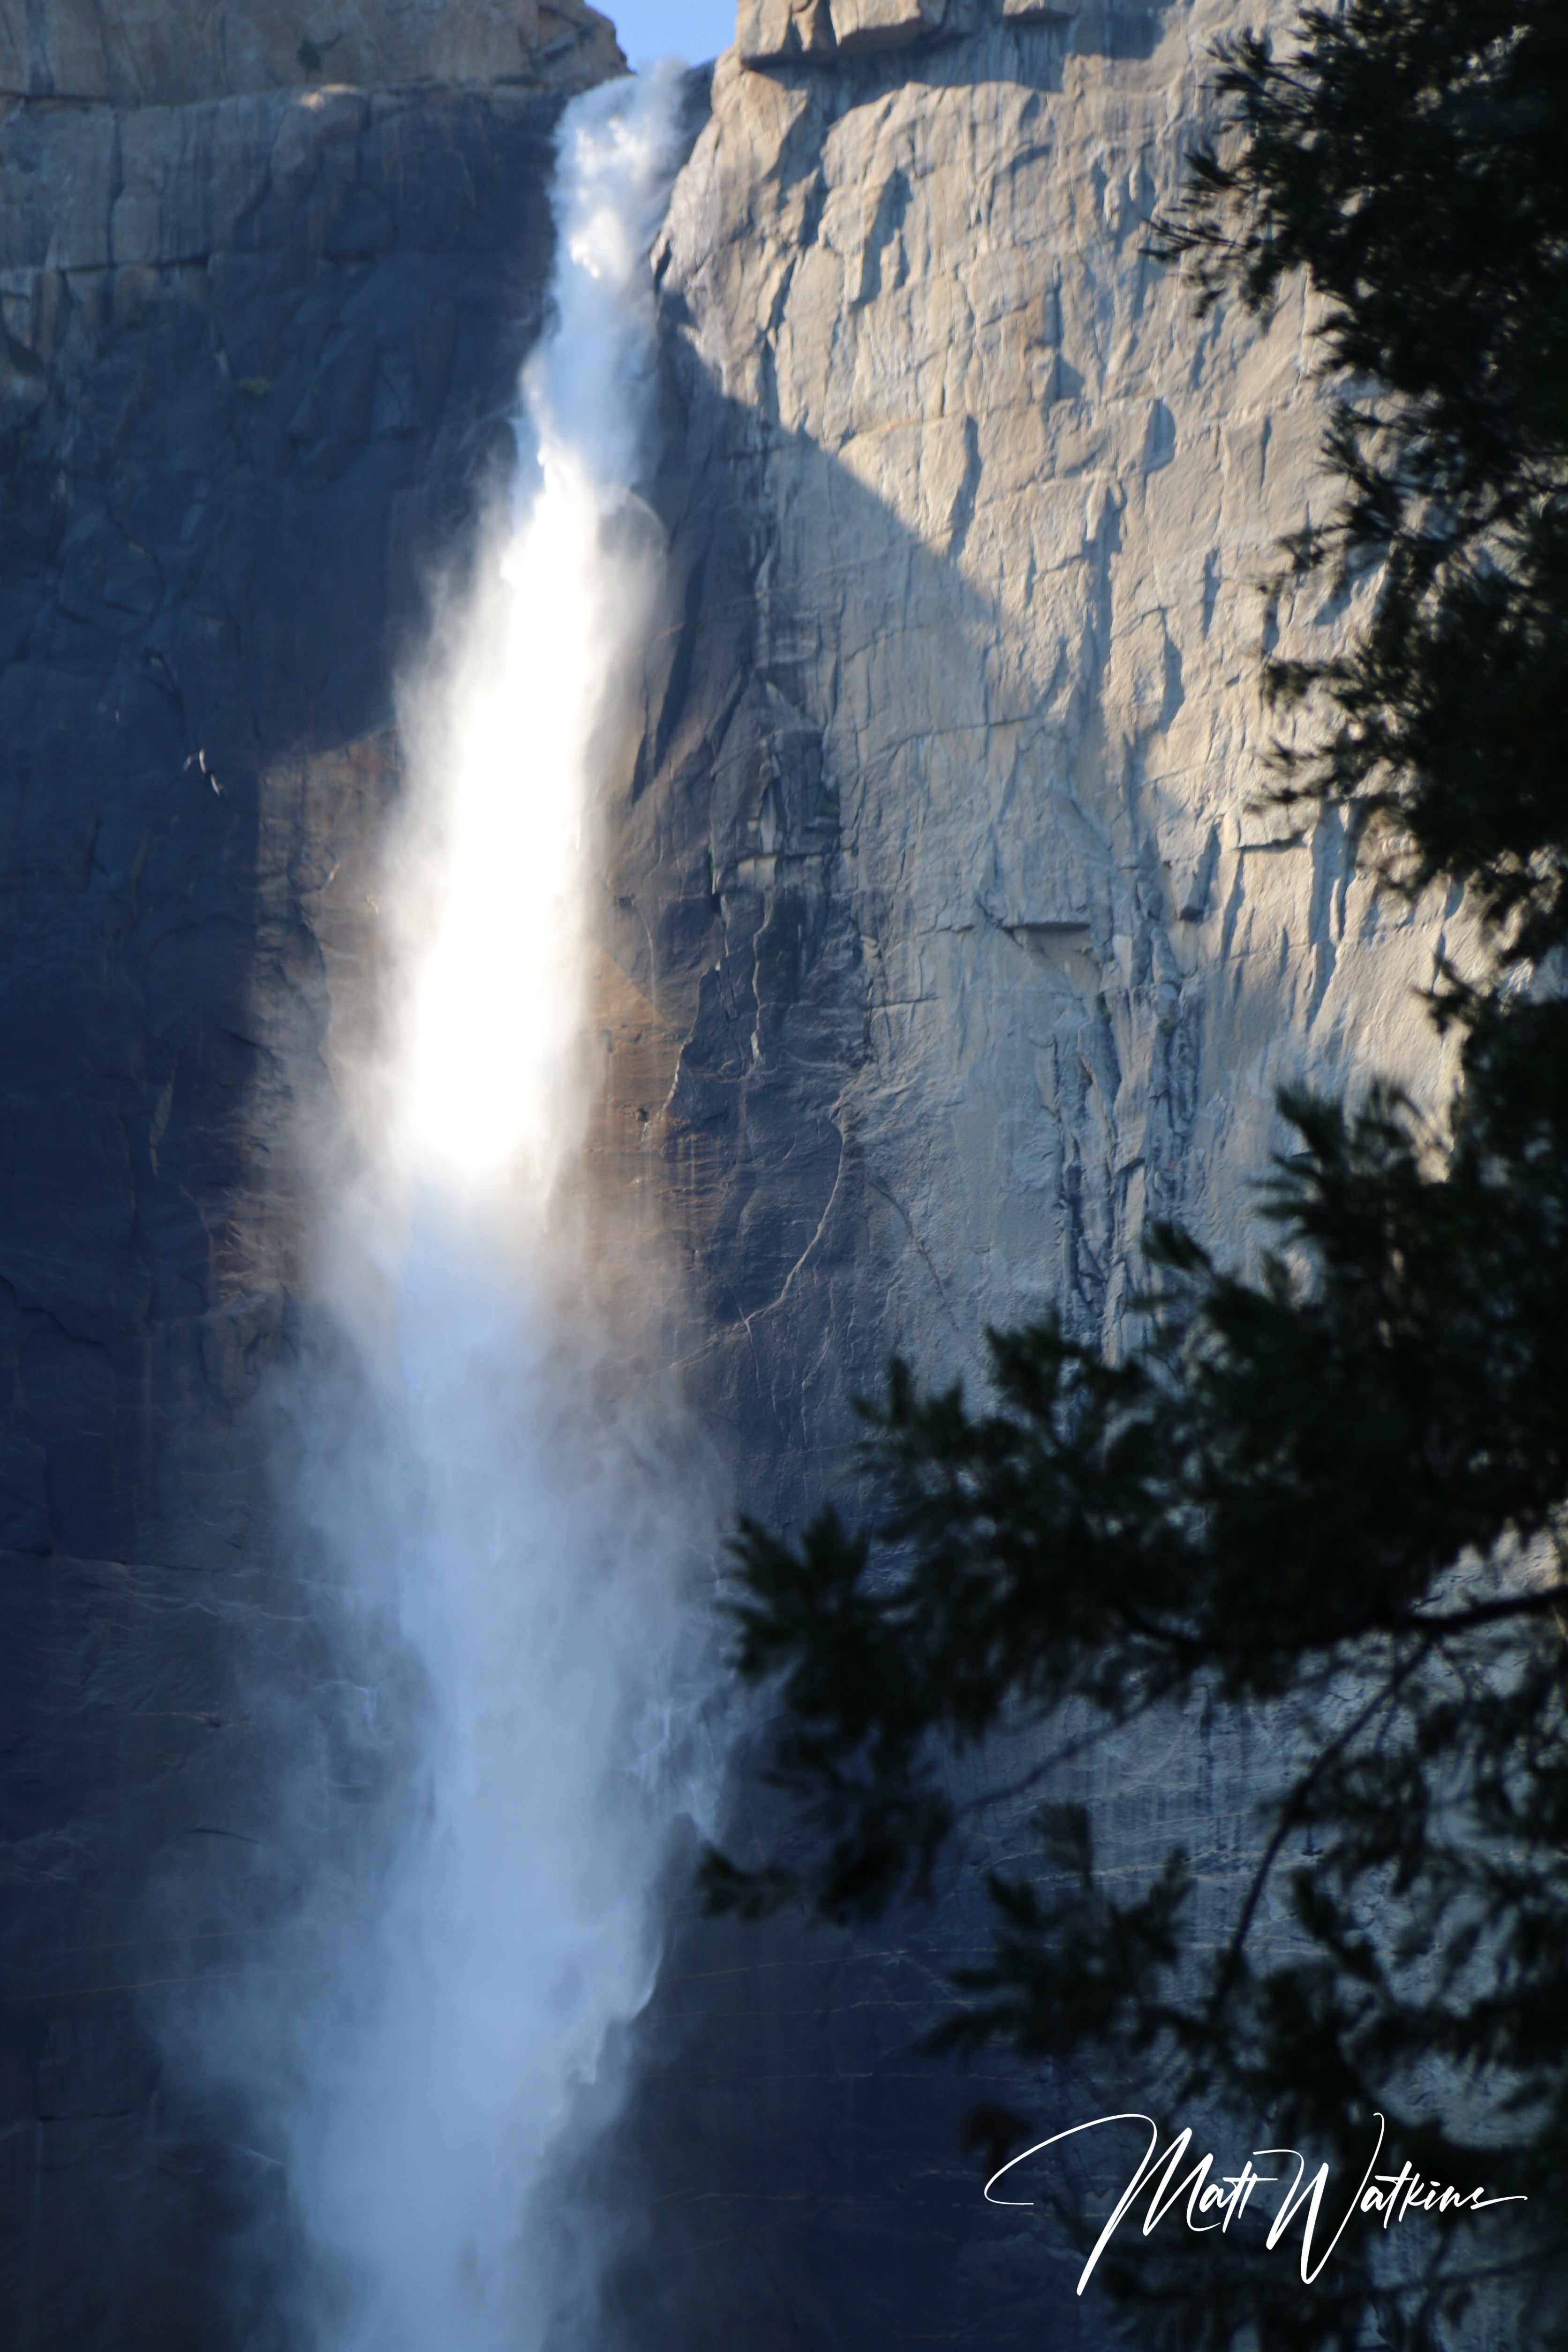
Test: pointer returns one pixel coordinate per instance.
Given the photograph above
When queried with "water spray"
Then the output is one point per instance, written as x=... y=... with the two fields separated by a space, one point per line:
x=512 y=1558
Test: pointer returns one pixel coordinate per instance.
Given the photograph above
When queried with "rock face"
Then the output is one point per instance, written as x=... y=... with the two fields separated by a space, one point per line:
x=946 y=837
x=172 y=52
x=944 y=946
x=257 y=358
x=944 y=856
x=781 y=32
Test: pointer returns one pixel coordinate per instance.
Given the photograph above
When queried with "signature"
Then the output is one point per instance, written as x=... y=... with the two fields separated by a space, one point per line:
x=1214 y=2203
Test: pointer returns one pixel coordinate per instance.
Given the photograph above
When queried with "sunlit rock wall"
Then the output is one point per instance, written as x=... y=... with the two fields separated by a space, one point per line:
x=946 y=839
x=943 y=864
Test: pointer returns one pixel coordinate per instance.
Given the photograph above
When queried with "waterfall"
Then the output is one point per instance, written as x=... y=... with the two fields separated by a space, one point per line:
x=513 y=1556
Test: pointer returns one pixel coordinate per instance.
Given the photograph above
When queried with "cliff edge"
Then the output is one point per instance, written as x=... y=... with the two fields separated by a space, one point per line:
x=132 y=53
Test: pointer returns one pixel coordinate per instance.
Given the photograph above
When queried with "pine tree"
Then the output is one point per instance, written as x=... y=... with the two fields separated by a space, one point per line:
x=1335 y=1494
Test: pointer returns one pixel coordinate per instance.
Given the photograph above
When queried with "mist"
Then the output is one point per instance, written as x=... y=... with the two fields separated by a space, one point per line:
x=511 y=1536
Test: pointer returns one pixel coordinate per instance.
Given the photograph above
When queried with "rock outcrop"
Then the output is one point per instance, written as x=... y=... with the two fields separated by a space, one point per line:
x=785 y=32
x=133 y=53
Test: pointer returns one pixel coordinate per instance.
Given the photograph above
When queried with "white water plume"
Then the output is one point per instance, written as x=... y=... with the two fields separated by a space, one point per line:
x=495 y=1006
x=519 y=1659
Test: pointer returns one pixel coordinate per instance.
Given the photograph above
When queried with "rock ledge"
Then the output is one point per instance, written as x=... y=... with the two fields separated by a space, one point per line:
x=172 y=52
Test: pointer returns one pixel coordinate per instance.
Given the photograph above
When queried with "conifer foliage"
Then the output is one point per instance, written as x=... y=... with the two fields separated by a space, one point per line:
x=1335 y=1496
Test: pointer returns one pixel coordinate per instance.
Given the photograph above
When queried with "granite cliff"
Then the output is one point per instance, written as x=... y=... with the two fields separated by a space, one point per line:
x=984 y=951
x=942 y=944
x=136 y=53
x=945 y=871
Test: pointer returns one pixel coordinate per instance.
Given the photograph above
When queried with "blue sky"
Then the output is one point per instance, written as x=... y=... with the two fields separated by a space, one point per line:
x=693 y=29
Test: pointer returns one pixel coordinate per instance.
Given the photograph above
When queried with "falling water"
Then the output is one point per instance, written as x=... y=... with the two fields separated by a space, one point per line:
x=518 y=1651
